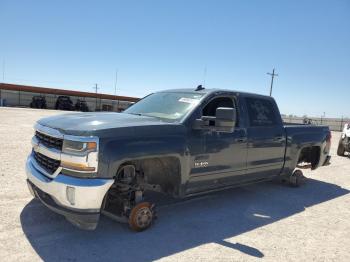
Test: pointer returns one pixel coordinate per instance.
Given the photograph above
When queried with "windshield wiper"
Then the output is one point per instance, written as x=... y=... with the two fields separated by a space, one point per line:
x=139 y=114
x=136 y=114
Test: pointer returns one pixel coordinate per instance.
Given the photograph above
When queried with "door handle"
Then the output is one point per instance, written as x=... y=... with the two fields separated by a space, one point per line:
x=241 y=139
x=278 y=138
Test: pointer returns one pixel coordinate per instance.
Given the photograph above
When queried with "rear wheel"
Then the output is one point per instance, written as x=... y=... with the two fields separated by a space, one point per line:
x=297 y=178
x=141 y=216
x=341 y=149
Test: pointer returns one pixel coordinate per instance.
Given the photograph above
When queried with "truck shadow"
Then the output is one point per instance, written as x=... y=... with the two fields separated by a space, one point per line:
x=181 y=225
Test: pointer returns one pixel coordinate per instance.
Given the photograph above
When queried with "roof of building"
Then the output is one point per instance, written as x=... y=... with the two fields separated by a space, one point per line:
x=55 y=91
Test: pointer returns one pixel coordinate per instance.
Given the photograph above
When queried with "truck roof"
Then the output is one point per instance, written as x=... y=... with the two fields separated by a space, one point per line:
x=206 y=91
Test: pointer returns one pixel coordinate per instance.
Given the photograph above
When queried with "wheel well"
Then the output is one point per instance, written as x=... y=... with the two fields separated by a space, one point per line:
x=309 y=156
x=163 y=173
x=133 y=178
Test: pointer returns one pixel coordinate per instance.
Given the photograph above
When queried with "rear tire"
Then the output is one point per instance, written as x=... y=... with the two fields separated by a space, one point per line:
x=341 y=149
x=297 y=178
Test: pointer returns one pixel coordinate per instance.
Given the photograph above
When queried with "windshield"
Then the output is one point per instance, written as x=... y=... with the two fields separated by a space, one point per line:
x=166 y=105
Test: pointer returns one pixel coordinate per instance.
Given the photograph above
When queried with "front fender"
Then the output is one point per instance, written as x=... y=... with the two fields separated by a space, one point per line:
x=128 y=150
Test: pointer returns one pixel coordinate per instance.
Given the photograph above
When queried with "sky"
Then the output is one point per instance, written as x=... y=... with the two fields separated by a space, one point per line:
x=157 y=45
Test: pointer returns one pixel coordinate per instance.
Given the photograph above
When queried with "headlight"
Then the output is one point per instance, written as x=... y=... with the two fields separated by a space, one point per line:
x=78 y=147
x=80 y=155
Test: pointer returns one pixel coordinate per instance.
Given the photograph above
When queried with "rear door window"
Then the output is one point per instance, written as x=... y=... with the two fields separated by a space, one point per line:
x=261 y=112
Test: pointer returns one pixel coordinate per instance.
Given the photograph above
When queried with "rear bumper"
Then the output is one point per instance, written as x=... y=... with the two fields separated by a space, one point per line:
x=78 y=199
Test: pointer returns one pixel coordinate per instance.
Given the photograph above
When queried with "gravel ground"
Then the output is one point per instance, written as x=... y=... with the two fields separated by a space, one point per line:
x=267 y=221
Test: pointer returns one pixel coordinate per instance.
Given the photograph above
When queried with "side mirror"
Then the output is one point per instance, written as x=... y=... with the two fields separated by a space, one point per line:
x=223 y=121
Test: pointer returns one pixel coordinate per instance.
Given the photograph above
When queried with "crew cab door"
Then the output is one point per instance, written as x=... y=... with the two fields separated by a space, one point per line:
x=217 y=158
x=266 y=138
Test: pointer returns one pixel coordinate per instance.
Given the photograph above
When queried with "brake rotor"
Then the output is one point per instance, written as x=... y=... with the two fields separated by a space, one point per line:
x=141 y=216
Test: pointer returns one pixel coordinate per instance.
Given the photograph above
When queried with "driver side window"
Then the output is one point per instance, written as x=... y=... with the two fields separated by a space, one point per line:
x=210 y=108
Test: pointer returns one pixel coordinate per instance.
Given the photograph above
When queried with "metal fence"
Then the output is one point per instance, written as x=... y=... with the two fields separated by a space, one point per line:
x=23 y=99
x=335 y=124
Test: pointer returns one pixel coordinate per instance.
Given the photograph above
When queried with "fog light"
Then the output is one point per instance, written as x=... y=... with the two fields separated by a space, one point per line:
x=77 y=166
x=70 y=193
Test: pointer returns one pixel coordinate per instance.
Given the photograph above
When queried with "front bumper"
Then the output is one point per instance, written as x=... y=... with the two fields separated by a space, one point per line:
x=81 y=205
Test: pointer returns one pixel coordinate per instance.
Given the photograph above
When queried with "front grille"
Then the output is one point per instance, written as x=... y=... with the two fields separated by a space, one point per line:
x=49 y=164
x=49 y=141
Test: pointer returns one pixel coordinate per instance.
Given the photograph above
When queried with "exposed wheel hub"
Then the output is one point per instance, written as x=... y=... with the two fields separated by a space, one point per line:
x=141 y=216
x=144 y=217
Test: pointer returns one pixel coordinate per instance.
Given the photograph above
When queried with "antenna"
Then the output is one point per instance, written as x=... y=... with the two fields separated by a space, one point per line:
x=199 y=88
x=204 y=75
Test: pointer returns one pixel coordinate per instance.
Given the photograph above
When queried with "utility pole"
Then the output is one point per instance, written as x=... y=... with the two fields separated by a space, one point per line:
x=272 y=77
x=96 y=88
x=322 y=117
x=115 y=83
x=115 y=89
x=3 y=78
x=341 y=123
x=3 y=71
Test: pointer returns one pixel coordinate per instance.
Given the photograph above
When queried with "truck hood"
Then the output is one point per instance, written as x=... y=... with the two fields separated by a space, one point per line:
x=98 y=123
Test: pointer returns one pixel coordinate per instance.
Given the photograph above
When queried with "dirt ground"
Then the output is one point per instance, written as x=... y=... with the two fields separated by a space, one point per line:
x=267 y=221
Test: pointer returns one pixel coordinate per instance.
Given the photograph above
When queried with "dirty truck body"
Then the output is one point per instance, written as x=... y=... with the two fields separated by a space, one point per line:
x=178 y=142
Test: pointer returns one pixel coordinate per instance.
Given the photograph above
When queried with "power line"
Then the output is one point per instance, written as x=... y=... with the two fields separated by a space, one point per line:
x=272 y=77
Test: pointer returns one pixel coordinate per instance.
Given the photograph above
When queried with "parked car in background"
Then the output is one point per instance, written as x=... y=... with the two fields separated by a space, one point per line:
x=81 y=105
x=64 y=103
x=344 y=142
x=38 y=102
x=181 y=143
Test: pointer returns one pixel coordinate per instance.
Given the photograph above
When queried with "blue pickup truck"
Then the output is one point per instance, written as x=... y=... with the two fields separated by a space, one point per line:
x=181 y=143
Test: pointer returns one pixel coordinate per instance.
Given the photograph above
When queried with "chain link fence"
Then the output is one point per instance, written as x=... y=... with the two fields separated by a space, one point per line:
x=335 y=124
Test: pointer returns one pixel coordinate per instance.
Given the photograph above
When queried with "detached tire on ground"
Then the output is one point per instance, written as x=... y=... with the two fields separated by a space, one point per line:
x=297 y=178
x=141 y=216
x=341 y=149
